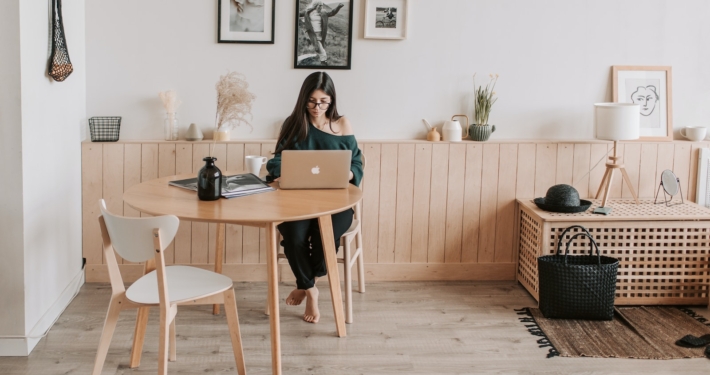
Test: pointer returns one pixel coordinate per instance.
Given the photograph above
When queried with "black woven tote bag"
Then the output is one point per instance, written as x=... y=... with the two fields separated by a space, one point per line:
x=578 y=286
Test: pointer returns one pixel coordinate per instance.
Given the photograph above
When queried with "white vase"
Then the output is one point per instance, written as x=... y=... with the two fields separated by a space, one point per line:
x=221 y=135
x=193 y=133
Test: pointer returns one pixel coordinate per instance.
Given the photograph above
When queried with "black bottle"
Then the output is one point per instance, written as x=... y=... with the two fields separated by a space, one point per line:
x=209 y=181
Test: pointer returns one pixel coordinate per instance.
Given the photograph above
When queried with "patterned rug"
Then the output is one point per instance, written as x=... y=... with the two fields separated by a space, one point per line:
x=635 y=332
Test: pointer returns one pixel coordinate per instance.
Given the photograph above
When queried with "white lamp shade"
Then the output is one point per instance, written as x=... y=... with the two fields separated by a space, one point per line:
x=617 y=121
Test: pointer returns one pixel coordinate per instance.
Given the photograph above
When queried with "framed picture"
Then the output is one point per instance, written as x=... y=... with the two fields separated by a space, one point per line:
x=650 y=87
x=386 y=19
x=245 y=21
x=323 y=34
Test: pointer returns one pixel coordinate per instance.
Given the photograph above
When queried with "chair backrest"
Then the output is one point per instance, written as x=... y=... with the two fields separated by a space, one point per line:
x=132 y=237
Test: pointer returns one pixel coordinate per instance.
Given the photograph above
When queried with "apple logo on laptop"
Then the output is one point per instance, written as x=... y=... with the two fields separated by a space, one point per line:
x=315 y=170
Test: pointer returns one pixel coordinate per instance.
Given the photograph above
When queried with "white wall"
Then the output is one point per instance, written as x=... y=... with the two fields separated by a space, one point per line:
x=553 y=57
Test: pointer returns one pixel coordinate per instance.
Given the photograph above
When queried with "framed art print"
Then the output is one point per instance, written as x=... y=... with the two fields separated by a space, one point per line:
x=649 y=87
x=245 y=21
x=323 y=34
x=386 y=19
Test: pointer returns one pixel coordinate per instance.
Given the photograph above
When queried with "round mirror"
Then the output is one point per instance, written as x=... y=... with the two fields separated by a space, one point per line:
x=670 y=182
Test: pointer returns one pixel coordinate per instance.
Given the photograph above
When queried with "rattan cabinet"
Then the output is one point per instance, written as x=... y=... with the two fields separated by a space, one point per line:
x=663 y=251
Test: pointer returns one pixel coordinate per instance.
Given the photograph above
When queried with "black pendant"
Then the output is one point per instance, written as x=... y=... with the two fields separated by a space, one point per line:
x=209 y=181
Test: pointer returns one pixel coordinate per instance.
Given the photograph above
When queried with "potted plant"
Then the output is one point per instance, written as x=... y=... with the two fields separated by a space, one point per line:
x=483 y=101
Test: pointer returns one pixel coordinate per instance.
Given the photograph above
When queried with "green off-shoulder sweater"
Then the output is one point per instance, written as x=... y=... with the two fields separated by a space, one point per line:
x=320 y=140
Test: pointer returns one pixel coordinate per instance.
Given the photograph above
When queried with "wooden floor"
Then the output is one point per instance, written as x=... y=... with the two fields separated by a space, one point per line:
x=400 y=327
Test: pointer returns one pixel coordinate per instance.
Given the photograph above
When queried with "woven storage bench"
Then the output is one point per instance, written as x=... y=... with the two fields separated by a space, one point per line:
x=664 y=252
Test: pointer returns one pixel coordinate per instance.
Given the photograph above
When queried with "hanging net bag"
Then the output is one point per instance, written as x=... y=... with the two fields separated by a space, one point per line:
x=59 y=64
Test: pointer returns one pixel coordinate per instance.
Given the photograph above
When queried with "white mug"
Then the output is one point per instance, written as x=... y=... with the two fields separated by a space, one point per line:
x=254 y=163
x=694 y=133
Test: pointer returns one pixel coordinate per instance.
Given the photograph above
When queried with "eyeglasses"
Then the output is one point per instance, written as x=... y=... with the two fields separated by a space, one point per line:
x=313 y=105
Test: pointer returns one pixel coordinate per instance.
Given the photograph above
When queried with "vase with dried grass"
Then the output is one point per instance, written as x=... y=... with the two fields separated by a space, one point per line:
x=170 y=124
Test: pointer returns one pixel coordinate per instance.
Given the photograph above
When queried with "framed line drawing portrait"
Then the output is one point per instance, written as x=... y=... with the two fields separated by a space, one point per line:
x=323 y=34
x=386 y=19
x=649 y=87
x=245 y=21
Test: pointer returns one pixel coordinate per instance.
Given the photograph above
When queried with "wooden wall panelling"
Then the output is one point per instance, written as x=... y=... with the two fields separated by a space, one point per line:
x=647 y=170
x=166 y=167
x=616 y=184
x=437 y=203
x=267 y=150
x=420 y=196
x=91 y=186
x=219 y=151
x=489 y=203
x=370 y=202
x=388 y=203
x=454 y=202
x=565 y=163
x=183 y=237
x=233 y=233
x=405 y=191
x=132 y=160
x=505 y=218
x=681 y=165
x=113 y=160
x=545 y=167
x=200 y=231
x=581 y=165
x=597 y=162
x=632 y=163
x=471 y=203
x=250 y=235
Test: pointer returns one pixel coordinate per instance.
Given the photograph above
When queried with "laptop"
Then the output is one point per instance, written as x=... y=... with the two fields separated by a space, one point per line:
x=323 y=169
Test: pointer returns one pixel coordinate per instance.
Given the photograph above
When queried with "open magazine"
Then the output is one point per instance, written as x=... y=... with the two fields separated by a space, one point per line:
x=233 y=186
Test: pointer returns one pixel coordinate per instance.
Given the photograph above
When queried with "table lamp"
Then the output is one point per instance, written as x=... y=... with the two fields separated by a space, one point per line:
x=615 y=122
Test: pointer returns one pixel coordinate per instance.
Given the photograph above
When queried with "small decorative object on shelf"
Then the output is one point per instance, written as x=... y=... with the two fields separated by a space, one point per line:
x=451 y=130
x=193 y=133
x=671 y=187
x=104 y=129
x=221 y=135
x=482 y=102
x=432 y=135
x=209 y=181
x=233 y=105
x=171 y=104
x=562 y=198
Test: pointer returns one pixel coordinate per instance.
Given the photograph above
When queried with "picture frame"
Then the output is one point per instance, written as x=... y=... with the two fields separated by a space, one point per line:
x=323 y=35
x=651 y=87
x=386 y=19
x=246 y=21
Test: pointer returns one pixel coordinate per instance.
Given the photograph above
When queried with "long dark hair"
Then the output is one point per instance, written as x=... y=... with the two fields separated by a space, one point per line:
x=295 y=128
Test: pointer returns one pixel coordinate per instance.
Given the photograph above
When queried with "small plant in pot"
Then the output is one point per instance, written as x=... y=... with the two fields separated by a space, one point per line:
x=482 y=103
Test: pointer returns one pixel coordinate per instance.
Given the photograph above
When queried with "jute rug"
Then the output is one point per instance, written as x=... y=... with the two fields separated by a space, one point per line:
x=635 y=332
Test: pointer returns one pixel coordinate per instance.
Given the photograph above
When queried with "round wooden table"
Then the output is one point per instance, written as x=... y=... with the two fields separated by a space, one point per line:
x=264 y=210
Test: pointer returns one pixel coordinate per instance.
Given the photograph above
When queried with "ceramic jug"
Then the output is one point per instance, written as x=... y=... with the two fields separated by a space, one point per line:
x=452 y=129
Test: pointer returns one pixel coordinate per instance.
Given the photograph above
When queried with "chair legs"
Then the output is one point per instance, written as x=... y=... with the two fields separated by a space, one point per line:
x=230 y=309
x=347 y=274
x=173 y=347
x=139 y=336
x=114 y=309
x=164 y=341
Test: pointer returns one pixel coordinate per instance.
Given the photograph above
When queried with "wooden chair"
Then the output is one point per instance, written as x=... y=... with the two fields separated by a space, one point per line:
x=145 y=239
x=350 y=256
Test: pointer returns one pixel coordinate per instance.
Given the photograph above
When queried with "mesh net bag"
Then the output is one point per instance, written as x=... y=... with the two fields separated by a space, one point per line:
x=60 y=66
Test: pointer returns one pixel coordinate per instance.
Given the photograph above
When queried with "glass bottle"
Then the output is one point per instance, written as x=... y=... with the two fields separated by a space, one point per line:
x=209 y=181
x=171 y=126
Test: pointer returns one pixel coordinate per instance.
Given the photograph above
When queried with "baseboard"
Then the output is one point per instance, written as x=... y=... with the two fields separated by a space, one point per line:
x=22 y=346
x=98 y=273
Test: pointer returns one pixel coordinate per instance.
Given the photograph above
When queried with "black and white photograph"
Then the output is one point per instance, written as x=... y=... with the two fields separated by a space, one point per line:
x=650 y=88
x=323 y=34
x=246 y=21
x=385 y=19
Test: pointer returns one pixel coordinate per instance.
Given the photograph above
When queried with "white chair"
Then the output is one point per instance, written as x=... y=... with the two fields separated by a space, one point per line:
x=140 y=240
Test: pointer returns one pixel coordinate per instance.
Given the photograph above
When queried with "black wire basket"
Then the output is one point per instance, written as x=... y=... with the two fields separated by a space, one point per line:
x=104 y=129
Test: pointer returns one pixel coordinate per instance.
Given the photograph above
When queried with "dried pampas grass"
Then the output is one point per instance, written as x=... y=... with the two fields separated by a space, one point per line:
x=233 y=101
x=170 y=101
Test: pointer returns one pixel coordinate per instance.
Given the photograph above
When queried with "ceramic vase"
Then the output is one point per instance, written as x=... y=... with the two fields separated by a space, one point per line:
x=221 y=136
x=481 y=132
x=209 y=181
x=193 y=133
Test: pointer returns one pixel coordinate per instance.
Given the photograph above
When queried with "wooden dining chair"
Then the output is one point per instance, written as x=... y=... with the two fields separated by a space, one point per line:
x=351 y=255
x=144 y=239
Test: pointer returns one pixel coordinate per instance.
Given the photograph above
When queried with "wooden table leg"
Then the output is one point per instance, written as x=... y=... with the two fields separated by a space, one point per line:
x=271 y=264
x=331 y=263
x=218 y=257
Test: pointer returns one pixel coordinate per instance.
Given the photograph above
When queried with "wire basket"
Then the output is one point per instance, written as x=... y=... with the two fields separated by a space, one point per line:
x=104 y=129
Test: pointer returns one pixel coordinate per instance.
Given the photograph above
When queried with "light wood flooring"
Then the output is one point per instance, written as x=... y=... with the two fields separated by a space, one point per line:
x=400 y=327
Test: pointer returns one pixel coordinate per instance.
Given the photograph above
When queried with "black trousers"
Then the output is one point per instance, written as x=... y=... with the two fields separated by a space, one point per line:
x=304 y=249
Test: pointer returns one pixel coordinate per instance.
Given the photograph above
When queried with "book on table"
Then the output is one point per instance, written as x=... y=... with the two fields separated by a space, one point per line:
x=233 y=186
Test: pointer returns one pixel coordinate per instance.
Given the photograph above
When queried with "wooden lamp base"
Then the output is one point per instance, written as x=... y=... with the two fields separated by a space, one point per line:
x=609 y=175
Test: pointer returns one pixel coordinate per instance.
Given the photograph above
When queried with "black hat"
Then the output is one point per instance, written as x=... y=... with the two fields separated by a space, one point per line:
x=562 y=198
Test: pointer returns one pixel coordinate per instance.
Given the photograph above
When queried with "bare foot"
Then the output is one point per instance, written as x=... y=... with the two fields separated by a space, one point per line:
x=312 y=314
x=296 y=297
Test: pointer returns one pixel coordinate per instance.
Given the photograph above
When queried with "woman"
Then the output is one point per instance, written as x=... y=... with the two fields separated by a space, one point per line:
x=314 y=124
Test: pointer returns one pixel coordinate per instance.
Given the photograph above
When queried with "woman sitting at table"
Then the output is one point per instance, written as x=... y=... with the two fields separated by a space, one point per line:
x=314 y=124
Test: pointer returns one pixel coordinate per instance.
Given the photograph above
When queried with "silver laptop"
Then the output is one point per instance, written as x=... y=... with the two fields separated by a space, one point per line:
x=305 y=169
